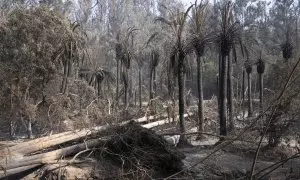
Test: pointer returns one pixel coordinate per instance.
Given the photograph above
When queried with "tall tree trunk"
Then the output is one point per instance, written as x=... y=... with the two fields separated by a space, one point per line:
x=140 y=87
x=243 y=93
x=200 y=96
x=98 y=87
x=118 y=76
x=12 y=129
x=222 y=97
x=29 y=129
x=130 y=88
x=151 y=86
x=219 y=78
x=249 y=96
x=126 y=88
x=154 y=82
x=230 y=94
x=154 y=88
x=65 y=76
x=261 y=89
x=181 y=98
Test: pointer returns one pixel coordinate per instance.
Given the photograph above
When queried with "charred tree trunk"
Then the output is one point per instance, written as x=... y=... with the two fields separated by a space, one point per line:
x=140 y=87
x=118 y=76
x=200 y=96
x=222 y=97
x=126 y=87
x=151 y=86
x=181 y=98
x=243 y=93
x=230 y=94
x=154 y=88
x=65 y=76
x=261 y=89
x=249 y=96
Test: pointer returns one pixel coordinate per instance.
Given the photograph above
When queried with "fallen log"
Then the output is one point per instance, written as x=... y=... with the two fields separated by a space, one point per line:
x=145 y=118
x=11 y=172
x=13 y=159
x=46 y=142
x=44 y=158
x=161 y=122
x=49 y=141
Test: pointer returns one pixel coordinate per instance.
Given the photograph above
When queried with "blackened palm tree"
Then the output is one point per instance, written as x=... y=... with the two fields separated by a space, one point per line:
x=126 y=57
x=226 y=40
x=177 y=25
x=248 y=67
x=96 y=77
x=287 y=48
x=141 y=58
x=199 y=39
x=153 y=65
x=70 y=56
x=260 y=71
x=119 y=53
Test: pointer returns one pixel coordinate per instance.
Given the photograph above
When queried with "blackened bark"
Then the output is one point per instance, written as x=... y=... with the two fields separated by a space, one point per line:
x=222 y=97
x=243 y=93
x=249 y=96
x=140 y=87
x=261 y=89
x=151 y=86
x=229 y=94
x=118 y=76
x=181 y=96
x=200 y=95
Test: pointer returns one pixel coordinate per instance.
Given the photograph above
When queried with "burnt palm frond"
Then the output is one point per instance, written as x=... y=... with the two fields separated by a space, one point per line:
x=126 y=58
x=230 y=30
x=173 y=62
x=287 y=50
x=177 y=23
x=98 y=75
x=154 y=59
x=260 y=66
x=75 y=26
x=248 y=67
x=182 y=20
x=152 y=37
x=163 y=20
x=199 y=18
x=129 y=33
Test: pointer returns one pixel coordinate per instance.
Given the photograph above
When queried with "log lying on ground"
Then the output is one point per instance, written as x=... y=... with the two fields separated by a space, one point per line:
x=46 y=142
x=161 y=122
x=11 y=172
x=13 y=165
x=49 y=141
x=13 y=159
x=145 y=119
